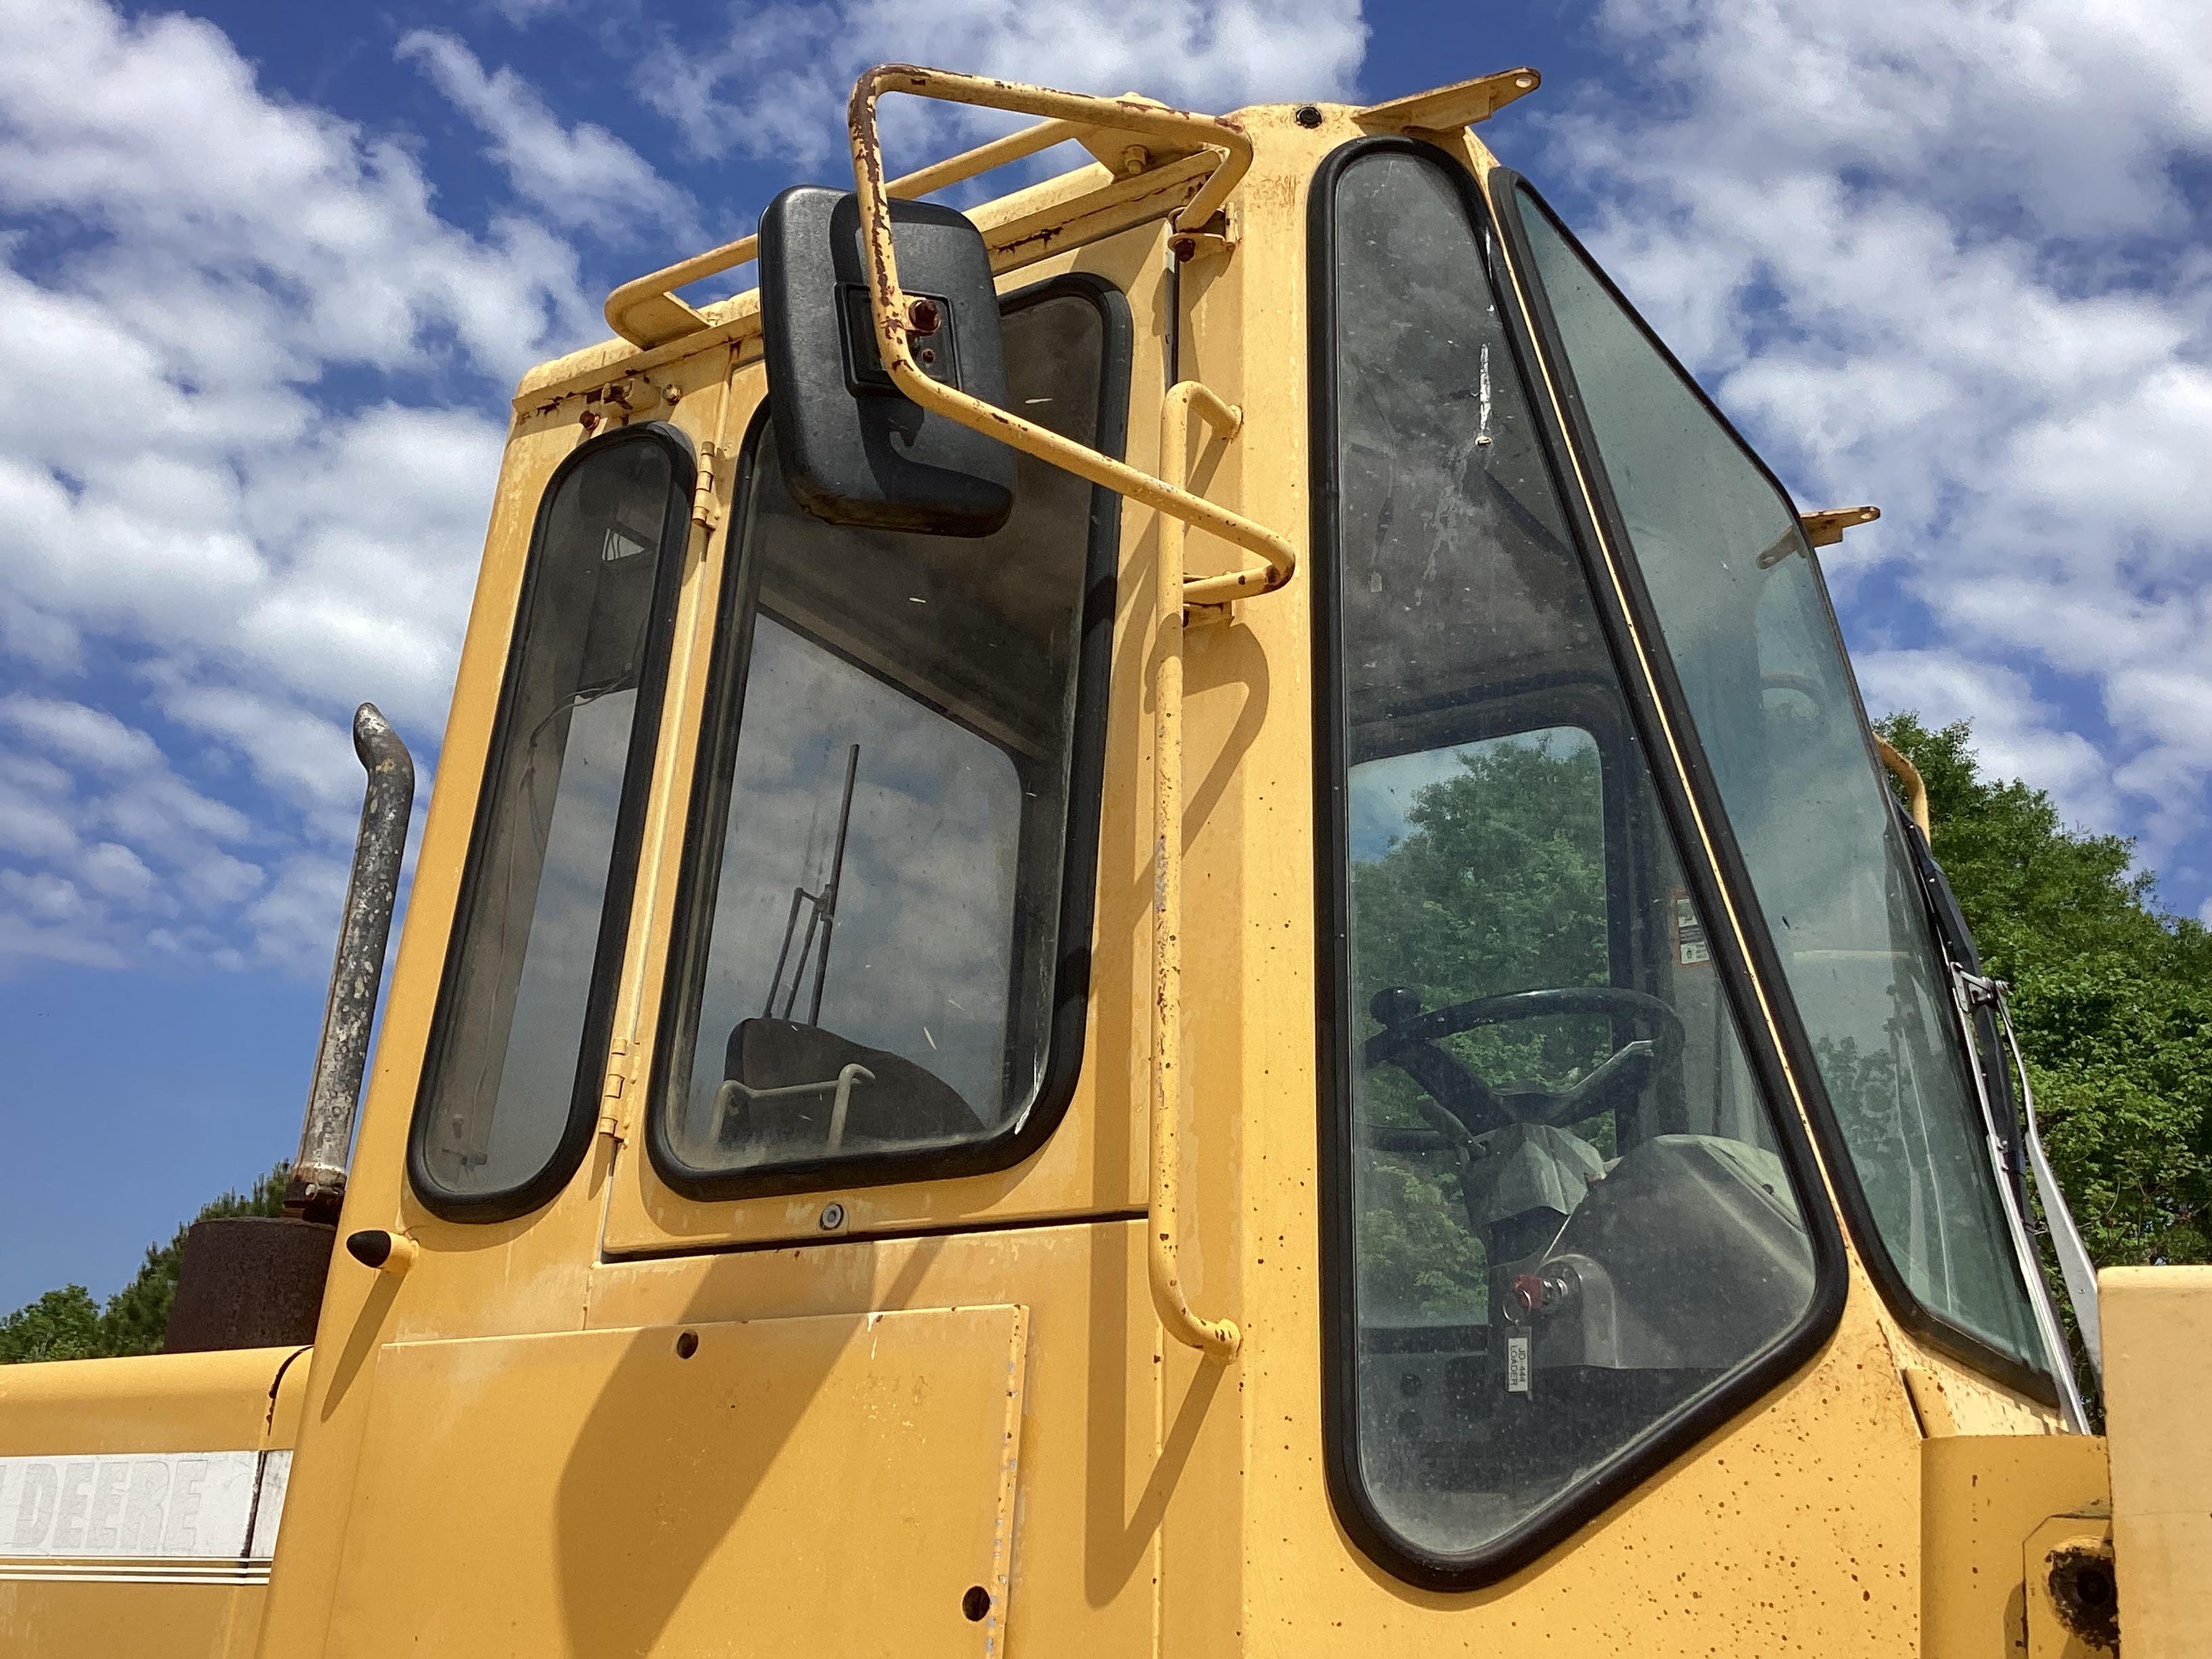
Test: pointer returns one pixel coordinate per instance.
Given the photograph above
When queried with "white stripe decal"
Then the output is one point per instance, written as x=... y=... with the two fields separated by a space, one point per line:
x=156 y=1571
x=190 y=1516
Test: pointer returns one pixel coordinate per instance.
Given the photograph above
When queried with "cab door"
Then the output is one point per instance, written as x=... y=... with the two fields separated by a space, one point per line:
x=893 y=907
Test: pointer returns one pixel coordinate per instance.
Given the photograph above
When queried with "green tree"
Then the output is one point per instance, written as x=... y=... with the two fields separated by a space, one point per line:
x=67 y=1324
x=62 y=1324
x=2113 y=997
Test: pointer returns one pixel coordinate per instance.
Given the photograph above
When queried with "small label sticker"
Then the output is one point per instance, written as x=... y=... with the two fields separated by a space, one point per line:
x=1690 y=948
x=1517 y=1363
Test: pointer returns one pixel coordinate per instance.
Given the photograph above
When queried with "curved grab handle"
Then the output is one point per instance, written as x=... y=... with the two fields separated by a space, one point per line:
x=1219 y=1337
x=1916 y=789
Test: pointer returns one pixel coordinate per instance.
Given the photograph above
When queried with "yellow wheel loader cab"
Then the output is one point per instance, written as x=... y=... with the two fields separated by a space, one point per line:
x=1158 y=920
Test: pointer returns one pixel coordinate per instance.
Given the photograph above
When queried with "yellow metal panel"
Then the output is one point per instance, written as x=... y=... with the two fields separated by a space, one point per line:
x=1107 y=1436
x=160 y=1402
x=88 y=1409
x=145 y=1621
x=2158 y=1333
x=791 y=1485
x=1981 y=1495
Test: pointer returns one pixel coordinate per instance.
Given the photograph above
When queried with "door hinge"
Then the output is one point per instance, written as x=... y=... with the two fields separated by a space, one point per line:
x=706 y=511
x=618 y=1091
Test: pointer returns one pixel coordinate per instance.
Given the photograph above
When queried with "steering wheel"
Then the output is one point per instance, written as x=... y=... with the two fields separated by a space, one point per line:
x=1815 y=694
x=1409 y=1036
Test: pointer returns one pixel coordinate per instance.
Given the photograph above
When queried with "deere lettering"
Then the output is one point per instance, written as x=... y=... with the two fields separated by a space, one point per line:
x=166 y=1504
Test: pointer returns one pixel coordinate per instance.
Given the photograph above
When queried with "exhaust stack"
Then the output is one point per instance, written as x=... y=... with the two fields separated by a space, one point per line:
x=317 y=1188
x=257 y=1282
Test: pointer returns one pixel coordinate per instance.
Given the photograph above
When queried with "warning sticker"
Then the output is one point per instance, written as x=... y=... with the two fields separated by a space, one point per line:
x=1689 y=947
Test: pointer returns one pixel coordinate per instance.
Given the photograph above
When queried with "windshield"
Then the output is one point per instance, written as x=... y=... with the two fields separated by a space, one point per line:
x=1571 y=1220
x=869 y=933
x=1750 y=636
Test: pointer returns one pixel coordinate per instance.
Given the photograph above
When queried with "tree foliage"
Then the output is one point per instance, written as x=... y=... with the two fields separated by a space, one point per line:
x=62 y=1324
x=2112 y=995
x=67 y=1324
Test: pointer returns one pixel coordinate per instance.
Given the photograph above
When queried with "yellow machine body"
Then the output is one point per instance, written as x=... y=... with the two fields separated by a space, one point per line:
x=974 y=1413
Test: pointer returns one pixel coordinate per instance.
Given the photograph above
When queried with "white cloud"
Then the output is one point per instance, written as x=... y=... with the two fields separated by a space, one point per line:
x=2016 y=735
x=295 y=922
x=34 y=828
x=581 y=176
x=257 y=546
x=776 y=86
x=295 y=752
x=1936 y=257
x=92 y=736
x=216 y=879
x=156 y=809
x=118 y=872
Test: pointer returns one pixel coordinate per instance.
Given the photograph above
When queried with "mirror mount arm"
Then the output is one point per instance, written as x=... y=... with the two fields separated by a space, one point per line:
x=894 y=318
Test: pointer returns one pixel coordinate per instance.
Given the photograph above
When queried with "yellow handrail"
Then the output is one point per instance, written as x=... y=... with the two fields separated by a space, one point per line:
x=1219 y=1337
x=1915 y=791
x=646 y=311
x=895 y=313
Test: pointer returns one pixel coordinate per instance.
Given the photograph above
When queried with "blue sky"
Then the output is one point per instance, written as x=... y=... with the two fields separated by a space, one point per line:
x=267 y=278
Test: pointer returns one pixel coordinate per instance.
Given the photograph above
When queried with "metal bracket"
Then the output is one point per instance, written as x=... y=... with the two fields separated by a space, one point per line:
x=1446 y=111
x=1215 y=239
x=1826 y=528
x=1822 y=529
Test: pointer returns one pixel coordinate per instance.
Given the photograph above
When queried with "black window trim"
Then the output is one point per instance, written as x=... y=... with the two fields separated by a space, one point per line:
x=1660 y=1444
x=568 y=1152
x=1923 y=1322
x=1067 y=1024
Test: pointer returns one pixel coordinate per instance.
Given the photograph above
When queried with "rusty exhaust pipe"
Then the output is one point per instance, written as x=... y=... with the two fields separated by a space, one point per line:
x=317 y=1188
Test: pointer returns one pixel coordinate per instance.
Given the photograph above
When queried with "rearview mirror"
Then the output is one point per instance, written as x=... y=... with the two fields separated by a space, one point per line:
x=855 y=449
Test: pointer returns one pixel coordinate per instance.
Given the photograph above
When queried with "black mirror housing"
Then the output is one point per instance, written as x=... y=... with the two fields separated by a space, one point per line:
x=855 y=449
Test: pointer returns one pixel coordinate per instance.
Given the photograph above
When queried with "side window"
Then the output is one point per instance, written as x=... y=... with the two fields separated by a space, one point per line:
x=1567 y=1231
x=886 y=914
x=511 y=1078
x=1751 y=637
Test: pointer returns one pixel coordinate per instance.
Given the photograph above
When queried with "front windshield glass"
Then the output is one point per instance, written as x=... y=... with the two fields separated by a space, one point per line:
x=870 y=954
x=1570 y=1217
x=1750 y=635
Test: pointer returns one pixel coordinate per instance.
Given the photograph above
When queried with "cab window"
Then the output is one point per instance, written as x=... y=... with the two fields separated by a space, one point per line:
x=1567 y=1224
x=885 y=919
x=1750 y=635
x=520 y=1043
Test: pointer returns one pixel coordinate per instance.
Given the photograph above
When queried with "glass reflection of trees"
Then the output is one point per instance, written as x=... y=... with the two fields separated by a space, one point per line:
x=1493 y=880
